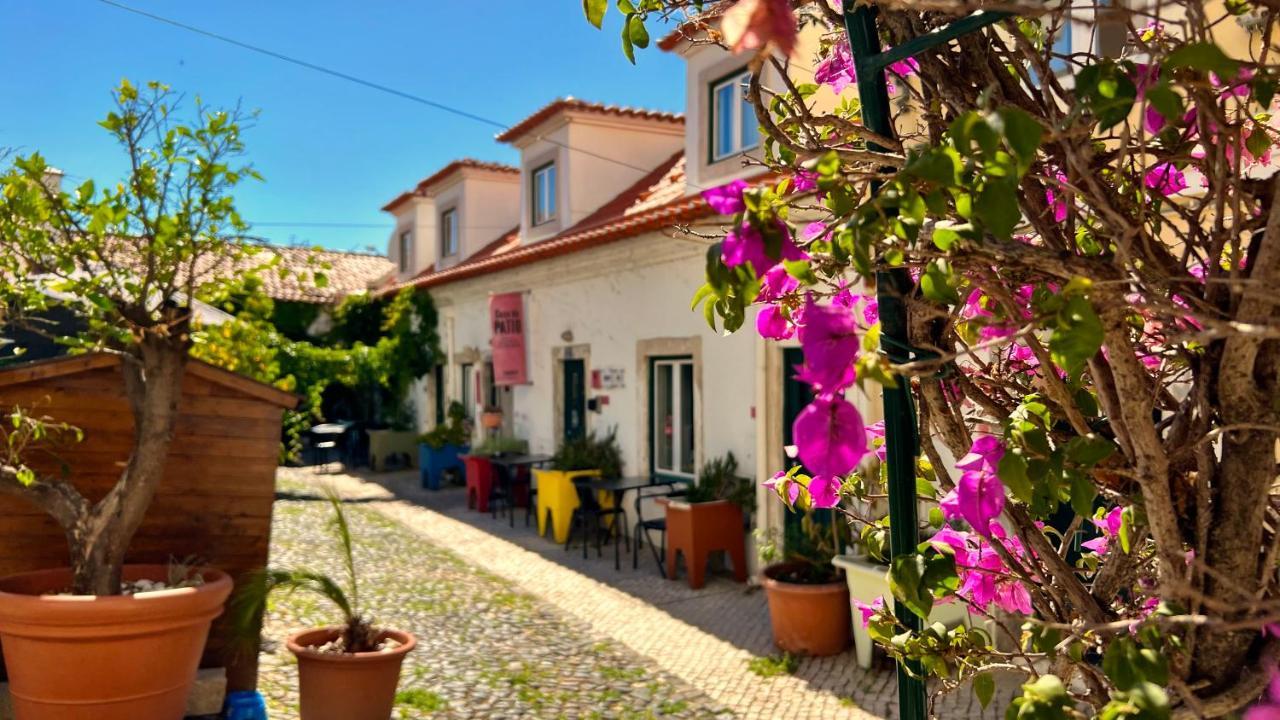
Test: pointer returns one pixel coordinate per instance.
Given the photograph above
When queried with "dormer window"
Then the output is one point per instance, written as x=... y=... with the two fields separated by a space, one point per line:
x=734 y=128
x=406 y=249
x=544 y=194
x=449 y=232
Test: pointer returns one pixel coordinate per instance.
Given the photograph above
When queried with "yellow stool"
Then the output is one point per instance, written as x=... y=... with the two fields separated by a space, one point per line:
x=557 y=494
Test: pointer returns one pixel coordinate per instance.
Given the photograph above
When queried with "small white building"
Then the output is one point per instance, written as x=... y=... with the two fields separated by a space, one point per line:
x=585 y=232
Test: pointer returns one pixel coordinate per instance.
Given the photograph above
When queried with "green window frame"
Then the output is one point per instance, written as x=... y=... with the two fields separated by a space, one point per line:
x=673 y=417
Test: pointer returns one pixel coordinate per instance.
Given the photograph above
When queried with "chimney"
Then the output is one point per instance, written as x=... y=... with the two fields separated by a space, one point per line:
x=53 y=179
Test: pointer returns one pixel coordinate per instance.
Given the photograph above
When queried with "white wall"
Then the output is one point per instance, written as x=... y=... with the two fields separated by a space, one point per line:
x=613 y=298
x=487 y=205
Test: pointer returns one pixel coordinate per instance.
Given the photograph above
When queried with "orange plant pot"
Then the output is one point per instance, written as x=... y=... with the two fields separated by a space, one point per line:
x=807 y=619
x=79 y=657
x=696 y=530
x=361 y=686
x=491 y=420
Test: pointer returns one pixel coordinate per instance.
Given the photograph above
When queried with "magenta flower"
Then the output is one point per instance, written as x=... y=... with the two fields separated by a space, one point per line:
x=830 y=437
x=830 y=342
x=726 y=199
x=1110 y=525
x=773 y=324
x=984 y=578
x=875 y=439
x=1153 y=120
x=836 y=70
x=1166 y=179
x=1268 y=708
x=813 y=231
x=793 y=490
x=1057 y=202
x=745 y=244
x=984 y=455
x=979 y=498
x=775 y=284
x=805 y=180
x=824 y=491
x=869 y=611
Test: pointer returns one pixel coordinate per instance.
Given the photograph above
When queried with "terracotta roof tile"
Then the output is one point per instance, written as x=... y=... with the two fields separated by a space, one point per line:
x=655 y=202
x=346 y=272
x=545 y=113
x=444 y=172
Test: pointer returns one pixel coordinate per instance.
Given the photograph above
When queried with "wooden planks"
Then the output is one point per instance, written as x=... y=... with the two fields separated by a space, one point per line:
x=214 y=502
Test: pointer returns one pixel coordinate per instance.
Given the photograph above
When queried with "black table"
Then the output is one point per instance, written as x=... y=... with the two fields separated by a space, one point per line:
x=333 y=432
x=617 y=487
x=508 y=470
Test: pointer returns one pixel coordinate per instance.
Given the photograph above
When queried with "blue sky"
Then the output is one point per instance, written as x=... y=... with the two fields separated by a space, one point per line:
x=330 y=151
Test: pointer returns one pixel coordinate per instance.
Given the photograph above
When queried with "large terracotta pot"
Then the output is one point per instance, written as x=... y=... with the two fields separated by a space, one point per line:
x=78 y=657
x=695 y=530
x=807 y=619
x=361 y=686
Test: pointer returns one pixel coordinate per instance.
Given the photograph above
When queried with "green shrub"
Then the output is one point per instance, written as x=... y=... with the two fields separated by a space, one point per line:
x=456 y=430
x=719 y=480
x=500 y=446
x=591 y=453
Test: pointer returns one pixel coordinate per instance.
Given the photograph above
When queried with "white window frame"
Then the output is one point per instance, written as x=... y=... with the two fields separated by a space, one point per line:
x=449 y=233
x=677 y=417
x=544 y=200
x=406 y=250
x=737 y=145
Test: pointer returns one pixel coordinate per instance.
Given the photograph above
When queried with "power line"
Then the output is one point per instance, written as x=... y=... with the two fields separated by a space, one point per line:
x=366 y=83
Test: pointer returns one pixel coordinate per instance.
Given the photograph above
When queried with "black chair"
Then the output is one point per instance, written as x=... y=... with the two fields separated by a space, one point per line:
x=589 y=516
x=643 y=527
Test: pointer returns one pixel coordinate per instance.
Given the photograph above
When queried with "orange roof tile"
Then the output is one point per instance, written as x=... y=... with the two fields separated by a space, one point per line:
x=523 y=127
x=444 y=172
x=655 y=202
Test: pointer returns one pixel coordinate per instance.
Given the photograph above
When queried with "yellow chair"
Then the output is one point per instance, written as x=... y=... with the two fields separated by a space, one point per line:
x=557 y=494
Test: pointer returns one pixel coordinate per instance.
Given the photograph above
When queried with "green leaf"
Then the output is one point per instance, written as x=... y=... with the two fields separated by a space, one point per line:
x=936 y=285
x=1076 y=337
x=1022 y=132
x=906 y=581
x=1203 y=56
x=1107 y=91
x=628 y=48
x=595 y=10
x=626 y=7
x=636 y=28
x=1083 y=493
x=1012 y=471
x=997 y=207
x=1089 y=450
x=984 y=688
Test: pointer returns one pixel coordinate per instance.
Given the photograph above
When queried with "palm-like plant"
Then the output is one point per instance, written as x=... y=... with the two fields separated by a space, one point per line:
x=250 y=601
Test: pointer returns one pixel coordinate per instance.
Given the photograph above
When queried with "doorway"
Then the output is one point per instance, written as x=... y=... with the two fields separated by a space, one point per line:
x=575 y=398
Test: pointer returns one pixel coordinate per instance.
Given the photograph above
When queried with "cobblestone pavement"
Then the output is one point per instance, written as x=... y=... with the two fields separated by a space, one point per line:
x=684 y=639
x=485 y=648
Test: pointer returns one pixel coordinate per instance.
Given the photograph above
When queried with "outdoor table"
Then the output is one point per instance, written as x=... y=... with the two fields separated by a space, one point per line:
x=617 y=487
x=333 y=432
x=508 y=471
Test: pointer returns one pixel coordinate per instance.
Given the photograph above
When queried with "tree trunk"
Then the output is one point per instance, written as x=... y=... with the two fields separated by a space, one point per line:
x=98 y=542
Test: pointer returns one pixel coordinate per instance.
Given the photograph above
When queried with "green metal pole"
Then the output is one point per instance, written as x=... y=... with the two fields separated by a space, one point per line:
x=902 y=441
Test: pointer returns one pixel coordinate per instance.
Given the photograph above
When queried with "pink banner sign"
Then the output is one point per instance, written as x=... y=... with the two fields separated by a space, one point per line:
x=506 y=321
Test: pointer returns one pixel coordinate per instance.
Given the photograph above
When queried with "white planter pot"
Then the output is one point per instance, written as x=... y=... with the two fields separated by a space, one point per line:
x=868 y=581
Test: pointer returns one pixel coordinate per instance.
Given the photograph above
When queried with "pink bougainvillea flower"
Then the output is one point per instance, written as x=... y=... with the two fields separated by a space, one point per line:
x=1153 y=120
x=829 y=338
x=726 y=199
x=1166 y=179
x=1110 y=526
x=793 y=490
x=1055 y=196
x=1268 y=708
x=984 y=455
x=752 y=24
x=836 y=70
x=905 y=68
x=813 y=231
x=1144 y=76
x=876 y=440
x=1237 y=87
x=979 y=499
x=824 y=491
x=804 y=180
x=830 y=436
x=745 y=244
x=773 y=324
x=869 y=611
x=776 y=283
x=985 y=580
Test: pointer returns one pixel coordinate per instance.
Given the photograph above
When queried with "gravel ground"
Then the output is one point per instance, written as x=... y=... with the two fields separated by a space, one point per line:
x=485 y=650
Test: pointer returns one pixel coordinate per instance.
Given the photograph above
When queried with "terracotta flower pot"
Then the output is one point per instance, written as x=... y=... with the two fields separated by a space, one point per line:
x=807 y=619
x=360 y=686
x=77 y=657
x=695 y=530
x=491 y=420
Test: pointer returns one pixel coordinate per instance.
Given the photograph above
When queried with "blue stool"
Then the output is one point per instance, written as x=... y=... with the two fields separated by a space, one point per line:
x=245 y=705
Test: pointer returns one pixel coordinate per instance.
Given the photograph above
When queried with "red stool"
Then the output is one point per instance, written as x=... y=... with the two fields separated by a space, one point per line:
x=479 y=481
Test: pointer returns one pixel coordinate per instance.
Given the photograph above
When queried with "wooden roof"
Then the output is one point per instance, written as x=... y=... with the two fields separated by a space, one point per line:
x=24 y=373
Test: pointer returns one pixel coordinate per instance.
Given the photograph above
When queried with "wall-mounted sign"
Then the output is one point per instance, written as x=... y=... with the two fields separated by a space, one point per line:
x=506 y=324
x=608 y=378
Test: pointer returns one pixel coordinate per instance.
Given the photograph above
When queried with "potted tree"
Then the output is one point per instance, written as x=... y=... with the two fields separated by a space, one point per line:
x=348 y=671
x=711 y=517
x=129 y=262
x=808 y=600
x=480 y=469
x=440 y=449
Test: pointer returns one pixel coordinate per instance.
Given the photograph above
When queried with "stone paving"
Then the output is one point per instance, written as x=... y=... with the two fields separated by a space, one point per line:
x=694 y=647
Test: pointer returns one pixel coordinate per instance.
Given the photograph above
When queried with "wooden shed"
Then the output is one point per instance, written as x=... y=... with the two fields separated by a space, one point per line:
x=214 y=503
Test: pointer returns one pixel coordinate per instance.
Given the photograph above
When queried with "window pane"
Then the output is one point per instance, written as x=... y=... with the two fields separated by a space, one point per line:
x=663 y=420
x=468 y=387
x=750 y=126
x=722 y=120
x=551 y=192
x=686 y=418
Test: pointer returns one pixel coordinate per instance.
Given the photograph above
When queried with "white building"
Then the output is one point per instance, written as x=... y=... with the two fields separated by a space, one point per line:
x=585 y=231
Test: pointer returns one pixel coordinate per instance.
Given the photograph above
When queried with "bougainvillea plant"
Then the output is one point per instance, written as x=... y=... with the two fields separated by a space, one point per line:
x=1094 y=245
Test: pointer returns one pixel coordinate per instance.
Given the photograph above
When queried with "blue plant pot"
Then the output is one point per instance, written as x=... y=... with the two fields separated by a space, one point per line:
x=433 y=462
x=245 y=705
